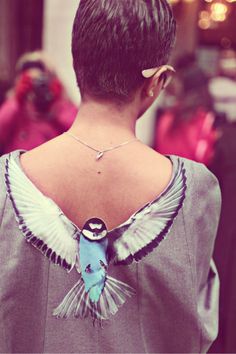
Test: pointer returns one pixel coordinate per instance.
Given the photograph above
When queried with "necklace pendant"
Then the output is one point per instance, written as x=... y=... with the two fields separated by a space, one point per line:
x=99 y=155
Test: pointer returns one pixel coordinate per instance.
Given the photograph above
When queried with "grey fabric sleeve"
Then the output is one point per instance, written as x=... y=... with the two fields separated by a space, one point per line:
x=3 y=198
x=204 y=207
x=3 y=194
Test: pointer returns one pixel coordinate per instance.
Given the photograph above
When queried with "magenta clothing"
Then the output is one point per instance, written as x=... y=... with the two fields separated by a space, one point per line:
x=193 y=138
x=21 y=128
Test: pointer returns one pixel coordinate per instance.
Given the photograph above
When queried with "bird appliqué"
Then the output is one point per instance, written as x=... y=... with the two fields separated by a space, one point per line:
x=92 y=250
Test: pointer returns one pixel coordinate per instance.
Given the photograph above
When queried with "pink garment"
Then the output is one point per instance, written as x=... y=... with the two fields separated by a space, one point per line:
x=193 y=139
x=22 y=128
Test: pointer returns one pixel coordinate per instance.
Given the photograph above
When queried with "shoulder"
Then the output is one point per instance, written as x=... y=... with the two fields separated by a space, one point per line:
x=202 y=186
x=198 y=173
x=3 y=193
x=3 y=159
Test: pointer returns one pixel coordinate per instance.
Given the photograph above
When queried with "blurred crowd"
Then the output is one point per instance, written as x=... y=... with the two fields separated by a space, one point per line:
x=37 y=107
x=196 y=119
x=196 y=108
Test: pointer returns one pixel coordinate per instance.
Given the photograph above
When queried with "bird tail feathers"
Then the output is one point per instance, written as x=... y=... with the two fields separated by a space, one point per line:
x=78 y=303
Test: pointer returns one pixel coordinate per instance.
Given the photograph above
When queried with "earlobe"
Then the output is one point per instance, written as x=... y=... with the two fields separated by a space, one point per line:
x=154 y=87
x=151 y=94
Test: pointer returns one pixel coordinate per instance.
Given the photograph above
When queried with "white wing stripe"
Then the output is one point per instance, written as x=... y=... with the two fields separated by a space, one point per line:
x=40 y=218
x=150 y=226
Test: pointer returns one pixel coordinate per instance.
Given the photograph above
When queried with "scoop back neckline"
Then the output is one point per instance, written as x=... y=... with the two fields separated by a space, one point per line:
x=173 y=158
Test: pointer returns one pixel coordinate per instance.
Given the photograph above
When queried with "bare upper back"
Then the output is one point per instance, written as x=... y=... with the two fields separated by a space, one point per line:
x=112 y=188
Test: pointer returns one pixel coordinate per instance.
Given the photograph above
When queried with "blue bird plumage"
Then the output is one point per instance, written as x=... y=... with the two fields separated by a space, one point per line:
x=96 y=293
x=93 y=261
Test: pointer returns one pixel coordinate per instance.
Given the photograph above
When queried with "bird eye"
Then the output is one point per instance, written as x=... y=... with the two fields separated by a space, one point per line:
x=88 y=269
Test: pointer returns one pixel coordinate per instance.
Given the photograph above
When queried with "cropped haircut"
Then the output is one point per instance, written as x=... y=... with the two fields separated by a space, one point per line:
x=114 y=40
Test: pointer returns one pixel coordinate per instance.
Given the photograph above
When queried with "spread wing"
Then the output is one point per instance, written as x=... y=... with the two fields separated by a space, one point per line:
x=41 y=221
x=150 y=225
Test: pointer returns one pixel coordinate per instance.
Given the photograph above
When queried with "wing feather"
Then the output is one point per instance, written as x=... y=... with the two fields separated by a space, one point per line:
x=150 y=225
x=41 y=221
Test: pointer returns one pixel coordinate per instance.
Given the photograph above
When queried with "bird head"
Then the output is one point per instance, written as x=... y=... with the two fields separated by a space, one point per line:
x=94 y=229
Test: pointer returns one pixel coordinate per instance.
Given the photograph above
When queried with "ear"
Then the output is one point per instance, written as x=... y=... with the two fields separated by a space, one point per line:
x=155 y=80
x=152 y=87
x=149 y=93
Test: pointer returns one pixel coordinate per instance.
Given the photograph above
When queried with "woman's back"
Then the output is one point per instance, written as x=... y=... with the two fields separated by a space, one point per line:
x=171 y=283
x=133 y=229
x=112 y=188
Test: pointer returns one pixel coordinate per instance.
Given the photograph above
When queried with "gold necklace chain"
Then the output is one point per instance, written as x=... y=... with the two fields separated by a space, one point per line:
x=100 y=153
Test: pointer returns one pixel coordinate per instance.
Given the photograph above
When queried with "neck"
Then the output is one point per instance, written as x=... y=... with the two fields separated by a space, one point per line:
x=99 y=122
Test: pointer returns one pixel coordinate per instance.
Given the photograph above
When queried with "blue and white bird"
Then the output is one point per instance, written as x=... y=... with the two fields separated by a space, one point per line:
x=91 y=251
x=93 y=257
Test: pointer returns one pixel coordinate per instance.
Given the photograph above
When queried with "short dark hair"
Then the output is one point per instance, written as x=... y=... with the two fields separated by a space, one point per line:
x=114 y=40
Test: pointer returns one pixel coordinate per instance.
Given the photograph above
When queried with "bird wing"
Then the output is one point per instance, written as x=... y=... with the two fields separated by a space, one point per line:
x=41 y=221
x=149 y=226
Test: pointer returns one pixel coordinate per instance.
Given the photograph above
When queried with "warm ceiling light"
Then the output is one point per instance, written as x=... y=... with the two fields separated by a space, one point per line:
x=204 y=14
x=219 y=12
x=219 y=8
x=204 y=23
x=218 y=17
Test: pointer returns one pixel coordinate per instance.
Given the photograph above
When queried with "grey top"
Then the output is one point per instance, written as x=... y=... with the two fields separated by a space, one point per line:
x=175 y=308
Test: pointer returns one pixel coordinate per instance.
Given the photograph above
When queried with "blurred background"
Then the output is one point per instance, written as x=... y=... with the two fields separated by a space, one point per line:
x=195 y=117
